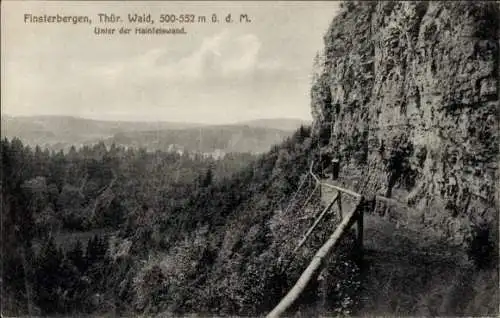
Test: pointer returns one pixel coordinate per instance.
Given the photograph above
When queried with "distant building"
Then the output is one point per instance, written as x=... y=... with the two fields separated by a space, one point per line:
x=178 y=149
x=218 y=154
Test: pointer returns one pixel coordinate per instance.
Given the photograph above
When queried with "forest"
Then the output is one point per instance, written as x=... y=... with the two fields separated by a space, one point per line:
x=76 y=225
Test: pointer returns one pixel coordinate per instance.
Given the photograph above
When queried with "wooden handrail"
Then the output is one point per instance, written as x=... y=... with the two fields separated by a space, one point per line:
x=306 y=276
x=312 y=173
x=355 y=215
x=347 y=191
x=353 y=193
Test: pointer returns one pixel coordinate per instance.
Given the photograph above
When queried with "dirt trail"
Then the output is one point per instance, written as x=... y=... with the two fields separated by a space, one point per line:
x=409 y=270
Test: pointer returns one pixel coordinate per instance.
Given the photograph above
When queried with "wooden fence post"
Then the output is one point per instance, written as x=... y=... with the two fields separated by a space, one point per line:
x=339 y=203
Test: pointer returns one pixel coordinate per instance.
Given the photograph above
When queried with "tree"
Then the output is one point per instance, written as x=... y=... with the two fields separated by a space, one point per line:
x=208 y=178
x=47 y=279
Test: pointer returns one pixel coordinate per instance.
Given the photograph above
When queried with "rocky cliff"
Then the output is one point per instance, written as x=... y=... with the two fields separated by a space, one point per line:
x=407 y=94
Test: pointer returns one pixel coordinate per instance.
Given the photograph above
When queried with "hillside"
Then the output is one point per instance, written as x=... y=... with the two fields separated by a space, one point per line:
x=73 y=130
x=234 y=138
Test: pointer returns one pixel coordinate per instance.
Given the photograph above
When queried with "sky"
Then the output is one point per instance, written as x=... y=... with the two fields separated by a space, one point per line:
x=215 y=73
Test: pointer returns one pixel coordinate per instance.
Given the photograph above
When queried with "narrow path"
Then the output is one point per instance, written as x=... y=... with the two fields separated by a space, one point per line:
x=403 y=274
x=408 y=270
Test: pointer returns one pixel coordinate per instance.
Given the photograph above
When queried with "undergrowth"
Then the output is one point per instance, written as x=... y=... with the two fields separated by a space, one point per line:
x=404 y=274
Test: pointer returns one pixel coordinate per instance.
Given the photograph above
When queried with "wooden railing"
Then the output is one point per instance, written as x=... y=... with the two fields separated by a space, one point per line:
x=316 y=262
x=318 y=219
x=318 y=181
x=355 y=216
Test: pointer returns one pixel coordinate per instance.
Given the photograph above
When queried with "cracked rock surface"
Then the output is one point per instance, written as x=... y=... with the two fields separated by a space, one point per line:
x=407 y=94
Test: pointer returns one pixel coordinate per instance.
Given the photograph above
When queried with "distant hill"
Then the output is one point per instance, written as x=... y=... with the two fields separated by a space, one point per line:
x=73 y=130
x=60 y=132
x=290 y=124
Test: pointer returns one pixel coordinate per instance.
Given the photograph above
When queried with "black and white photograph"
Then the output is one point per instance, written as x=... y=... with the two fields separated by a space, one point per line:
x=250 y=158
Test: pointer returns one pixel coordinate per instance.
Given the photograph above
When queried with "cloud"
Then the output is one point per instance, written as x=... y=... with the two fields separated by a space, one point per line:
x=223 y=77
x=222 y=57
x=215 y=73
x=242 y=56
x=225 y=74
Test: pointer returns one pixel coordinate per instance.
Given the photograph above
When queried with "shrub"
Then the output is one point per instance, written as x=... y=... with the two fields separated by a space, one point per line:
x=481 y=247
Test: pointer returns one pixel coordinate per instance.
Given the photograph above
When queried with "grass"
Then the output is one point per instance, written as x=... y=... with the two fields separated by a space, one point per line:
x=407 y=272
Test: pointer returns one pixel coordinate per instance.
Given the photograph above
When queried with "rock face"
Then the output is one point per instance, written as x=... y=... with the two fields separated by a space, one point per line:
x=407 y=94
